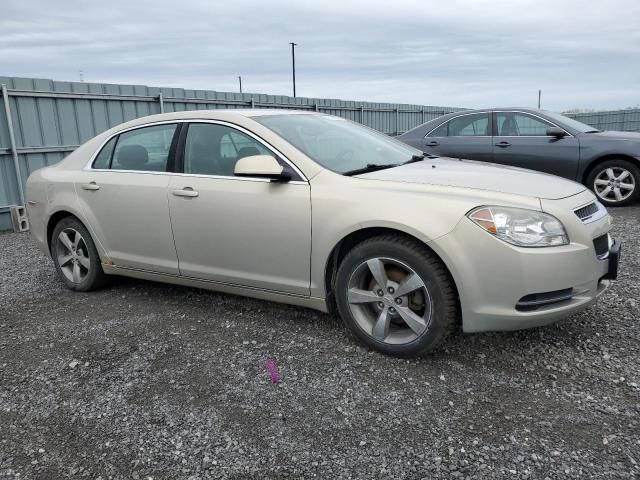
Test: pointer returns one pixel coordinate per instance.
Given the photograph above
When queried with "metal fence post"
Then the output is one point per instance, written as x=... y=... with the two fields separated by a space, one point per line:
x=161 y=100
x=317 y=109
x=362 y=114
x=422 y=115
x=12 y=141
x=397 y=121
x=253 y=103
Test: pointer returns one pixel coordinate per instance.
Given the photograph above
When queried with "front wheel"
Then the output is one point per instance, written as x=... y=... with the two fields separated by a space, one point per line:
x=616 y=182
x=396 y=296
x=75 y=256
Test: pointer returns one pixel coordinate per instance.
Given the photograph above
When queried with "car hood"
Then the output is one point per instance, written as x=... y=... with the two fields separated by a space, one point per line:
x=484 y=176
x=634 y=136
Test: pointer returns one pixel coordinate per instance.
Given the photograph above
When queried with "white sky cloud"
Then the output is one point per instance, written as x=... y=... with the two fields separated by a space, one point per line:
x=468 y=53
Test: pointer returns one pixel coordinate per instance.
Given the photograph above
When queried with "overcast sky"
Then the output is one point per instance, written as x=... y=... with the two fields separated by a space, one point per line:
x=465 y=53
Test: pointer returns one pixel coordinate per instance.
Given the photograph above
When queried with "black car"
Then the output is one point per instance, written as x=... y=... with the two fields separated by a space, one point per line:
x=606 y=162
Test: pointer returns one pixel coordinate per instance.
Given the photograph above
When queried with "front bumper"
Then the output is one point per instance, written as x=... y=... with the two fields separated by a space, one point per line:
x=492 y=276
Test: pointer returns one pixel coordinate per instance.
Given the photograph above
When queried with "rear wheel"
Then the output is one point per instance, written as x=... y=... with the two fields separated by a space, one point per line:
x=396 y=296
x=75 y=256
x=616 y=182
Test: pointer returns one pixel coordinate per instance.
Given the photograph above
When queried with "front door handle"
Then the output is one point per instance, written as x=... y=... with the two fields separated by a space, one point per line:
x=503 y=144
x=185 y=192
x=433 y=143
x=92 y=186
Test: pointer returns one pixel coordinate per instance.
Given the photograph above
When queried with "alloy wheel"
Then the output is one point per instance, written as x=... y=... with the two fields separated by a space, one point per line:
x=73 y=255
x=614 y=184
x=389 y=301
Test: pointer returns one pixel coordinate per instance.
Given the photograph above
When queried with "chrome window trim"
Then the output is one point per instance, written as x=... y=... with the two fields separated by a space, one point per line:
x=88 y=166
x=501 y=136
x=460 y=136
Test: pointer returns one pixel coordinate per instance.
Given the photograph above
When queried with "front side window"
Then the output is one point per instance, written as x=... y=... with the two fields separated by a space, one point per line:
x=511 y=124
x=335 y=143
x=143 y=149
x=475 y=125
x=441 y=131
x=212 y=149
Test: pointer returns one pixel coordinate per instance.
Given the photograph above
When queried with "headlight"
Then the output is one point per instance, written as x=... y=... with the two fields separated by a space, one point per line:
x=520 y=227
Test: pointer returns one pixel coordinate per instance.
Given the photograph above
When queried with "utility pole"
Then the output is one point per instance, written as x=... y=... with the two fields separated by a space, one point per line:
x=539 y=98
x=293 y=65
x=240 y=82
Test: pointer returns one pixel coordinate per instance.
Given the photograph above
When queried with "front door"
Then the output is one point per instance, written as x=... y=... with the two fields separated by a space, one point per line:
x=241 y=231
x=521 y=141
x=123 y=195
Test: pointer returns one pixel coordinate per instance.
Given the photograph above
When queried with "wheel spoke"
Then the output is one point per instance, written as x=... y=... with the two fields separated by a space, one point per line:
x=623 y=175
x=62 y=261
x=610 y=174
x=413 y=321
x=66 y=241
x=76 y=273
x=356 y=295
x=411 y=283
x=381 y=328
x=600 y=181
x=84 y=261
x=627 y=186
x=76 y=240
x=377 y=270
x=616 y=192
x=605 y=192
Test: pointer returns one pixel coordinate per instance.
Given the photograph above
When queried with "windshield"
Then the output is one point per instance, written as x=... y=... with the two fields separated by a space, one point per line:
x=338 y=144
x=571 y=123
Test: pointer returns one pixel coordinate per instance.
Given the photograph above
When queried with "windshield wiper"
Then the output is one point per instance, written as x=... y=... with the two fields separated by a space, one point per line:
x=419 y=158
x=371 y=167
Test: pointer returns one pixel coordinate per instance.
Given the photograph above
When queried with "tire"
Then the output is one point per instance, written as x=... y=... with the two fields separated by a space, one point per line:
x=76 y=257
x=615 y=182
x=385 y=322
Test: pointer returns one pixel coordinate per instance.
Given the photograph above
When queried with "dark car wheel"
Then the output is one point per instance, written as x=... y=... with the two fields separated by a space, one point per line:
x=75 y=256
x=396 y=296
x=616 y=182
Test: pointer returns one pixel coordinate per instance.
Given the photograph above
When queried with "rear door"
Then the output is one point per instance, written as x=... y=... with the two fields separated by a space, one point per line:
x=123 y=195
x=464 y=136
x=521 y=141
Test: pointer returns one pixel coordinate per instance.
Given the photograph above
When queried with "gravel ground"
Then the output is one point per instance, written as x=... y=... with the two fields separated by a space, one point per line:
x=143 y=380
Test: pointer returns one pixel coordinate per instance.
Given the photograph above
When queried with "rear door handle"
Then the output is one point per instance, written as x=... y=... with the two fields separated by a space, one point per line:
x=433 y=143
x=503 y=144
x=185 y=192
x=92 y=186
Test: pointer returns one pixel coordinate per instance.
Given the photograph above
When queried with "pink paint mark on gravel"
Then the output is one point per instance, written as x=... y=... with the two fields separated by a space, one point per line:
x=272 y=368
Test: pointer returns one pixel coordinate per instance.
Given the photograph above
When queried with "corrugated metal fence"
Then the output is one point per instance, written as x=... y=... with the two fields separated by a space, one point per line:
x=48 y=119
x=621 y=120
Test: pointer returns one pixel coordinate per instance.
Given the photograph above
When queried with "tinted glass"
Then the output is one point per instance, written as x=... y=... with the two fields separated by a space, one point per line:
x=441 y=131
x=571 y=123
x=336 y=143
x=520 y=124
x=144 y=149
x=212 y=149
x=469 y=125
x=104 y=157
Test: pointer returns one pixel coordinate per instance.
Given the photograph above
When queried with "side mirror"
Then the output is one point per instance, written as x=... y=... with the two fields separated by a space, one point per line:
x=261 y=166
x=556 y=132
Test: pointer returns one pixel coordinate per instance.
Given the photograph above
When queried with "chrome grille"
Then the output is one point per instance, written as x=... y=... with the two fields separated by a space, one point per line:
x=586 y=212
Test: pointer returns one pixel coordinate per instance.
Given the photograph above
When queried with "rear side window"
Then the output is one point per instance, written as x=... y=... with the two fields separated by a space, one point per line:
x=469 y=125
x=144 y=149
x=103 y=160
